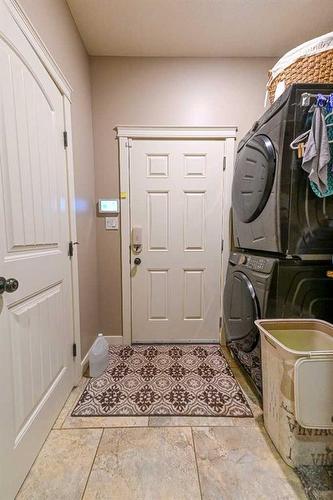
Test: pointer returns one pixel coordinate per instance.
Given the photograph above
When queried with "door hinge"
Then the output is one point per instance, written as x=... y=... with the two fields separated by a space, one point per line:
x=65 y=139
x=129 y=143
x=222 y=244
x=220 y=322
x=70 y=249
x=74 y=350
x=224 y=163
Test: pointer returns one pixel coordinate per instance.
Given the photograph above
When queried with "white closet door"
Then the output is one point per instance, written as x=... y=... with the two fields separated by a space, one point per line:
x=36 y=320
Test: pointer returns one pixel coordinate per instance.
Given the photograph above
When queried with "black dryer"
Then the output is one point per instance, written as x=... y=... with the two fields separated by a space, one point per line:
x=274 y=207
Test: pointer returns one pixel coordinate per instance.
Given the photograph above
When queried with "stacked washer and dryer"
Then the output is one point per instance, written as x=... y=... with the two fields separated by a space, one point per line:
x=281 y=263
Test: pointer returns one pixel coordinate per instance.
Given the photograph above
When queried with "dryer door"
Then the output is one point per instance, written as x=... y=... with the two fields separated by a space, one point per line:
x=253 y=177
x=241 y=309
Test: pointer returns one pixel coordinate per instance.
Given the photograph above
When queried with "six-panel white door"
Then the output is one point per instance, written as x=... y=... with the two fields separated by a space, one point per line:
x=176 y=197
x=36 y=321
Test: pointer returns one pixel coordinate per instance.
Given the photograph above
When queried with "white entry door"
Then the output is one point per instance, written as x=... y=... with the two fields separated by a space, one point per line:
x=36 y=320
x=176 y=198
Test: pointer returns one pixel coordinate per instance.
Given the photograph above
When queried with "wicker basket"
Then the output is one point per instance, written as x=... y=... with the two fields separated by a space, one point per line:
x=317 y=68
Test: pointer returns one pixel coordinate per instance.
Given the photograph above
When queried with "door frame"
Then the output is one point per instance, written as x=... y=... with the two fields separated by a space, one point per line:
x=65 y=89
x=125 y=136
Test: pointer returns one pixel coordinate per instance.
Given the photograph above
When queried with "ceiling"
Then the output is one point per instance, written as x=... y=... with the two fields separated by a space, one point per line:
x=199 y=28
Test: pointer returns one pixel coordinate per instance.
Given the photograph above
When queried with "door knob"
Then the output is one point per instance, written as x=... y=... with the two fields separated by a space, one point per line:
x=137 y=261
x=9 y=286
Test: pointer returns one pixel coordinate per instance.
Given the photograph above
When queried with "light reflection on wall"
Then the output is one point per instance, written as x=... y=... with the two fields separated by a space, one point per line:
x=81 y=205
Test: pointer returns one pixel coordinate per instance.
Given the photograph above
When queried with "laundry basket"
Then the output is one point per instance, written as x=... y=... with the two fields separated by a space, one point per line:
x=311 y=62
x=297 y=369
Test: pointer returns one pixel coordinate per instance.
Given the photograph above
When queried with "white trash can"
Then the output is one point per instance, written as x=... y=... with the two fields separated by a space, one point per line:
x=297 y=369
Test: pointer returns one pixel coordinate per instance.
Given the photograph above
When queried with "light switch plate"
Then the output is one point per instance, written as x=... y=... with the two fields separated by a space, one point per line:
x=111 y=223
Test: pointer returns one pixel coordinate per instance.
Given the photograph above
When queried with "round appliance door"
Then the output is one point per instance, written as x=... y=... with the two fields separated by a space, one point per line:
x=240 y=309
x=253 y=177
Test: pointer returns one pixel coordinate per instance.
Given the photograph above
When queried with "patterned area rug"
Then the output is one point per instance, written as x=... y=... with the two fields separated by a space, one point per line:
x=164 y=380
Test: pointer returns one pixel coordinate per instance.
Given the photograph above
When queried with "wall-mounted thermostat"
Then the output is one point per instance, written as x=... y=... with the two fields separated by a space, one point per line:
x=108 y=206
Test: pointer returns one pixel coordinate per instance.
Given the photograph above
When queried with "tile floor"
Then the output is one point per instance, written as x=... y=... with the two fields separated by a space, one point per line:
x=160 y=458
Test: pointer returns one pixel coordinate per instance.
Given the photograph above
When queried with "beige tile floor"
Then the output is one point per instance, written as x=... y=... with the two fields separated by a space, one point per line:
x=160 y=458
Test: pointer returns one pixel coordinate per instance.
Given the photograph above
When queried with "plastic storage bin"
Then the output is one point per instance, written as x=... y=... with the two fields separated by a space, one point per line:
x=297 y=369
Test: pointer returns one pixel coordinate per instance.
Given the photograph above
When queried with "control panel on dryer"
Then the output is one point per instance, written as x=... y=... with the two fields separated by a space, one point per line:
x=256 y=263
x=253 y=262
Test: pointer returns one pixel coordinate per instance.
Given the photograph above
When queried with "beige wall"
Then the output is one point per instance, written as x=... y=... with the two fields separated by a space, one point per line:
x=161 y=91
x=54 y=23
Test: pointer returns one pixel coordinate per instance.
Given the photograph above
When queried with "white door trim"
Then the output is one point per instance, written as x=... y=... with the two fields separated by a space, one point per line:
x=73 y=237
x=59 y=79
x=176 y=132
x=39 y=47
x=125 y=136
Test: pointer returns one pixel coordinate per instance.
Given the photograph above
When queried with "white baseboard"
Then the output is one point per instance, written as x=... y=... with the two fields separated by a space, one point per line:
x=115 y=339
x=84 y=363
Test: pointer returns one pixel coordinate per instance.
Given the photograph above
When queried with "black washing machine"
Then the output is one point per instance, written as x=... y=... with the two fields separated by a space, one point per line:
x=274 y=207
x=257 y=287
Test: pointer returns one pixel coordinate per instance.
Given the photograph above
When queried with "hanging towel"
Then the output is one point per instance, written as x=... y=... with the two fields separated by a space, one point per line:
x=317 y=151
x=329 y=127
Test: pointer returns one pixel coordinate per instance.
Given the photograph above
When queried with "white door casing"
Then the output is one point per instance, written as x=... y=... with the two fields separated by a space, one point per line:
x=174 y=185
x=36 y=192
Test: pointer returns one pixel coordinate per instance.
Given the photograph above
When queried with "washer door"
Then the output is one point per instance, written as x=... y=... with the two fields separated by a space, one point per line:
x=253 y=177
x=240 y=308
